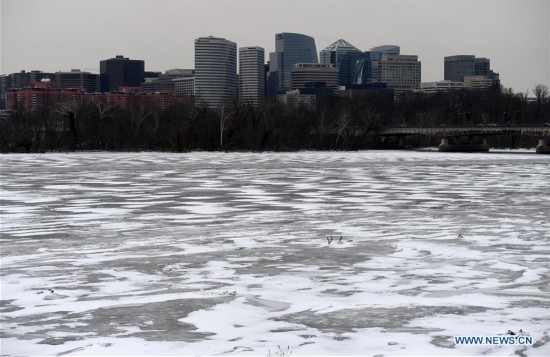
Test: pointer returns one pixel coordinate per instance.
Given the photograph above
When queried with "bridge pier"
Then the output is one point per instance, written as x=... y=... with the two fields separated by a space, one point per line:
x=544 y=146
x=464 y=144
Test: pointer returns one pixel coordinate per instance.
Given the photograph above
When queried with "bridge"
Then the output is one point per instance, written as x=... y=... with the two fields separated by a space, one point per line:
x=468 y=138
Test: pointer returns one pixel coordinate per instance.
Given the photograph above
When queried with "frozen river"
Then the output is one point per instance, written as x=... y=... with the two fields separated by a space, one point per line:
x=228 y=253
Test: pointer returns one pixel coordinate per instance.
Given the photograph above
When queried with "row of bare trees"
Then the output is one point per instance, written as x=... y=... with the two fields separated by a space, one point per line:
x=336 y=124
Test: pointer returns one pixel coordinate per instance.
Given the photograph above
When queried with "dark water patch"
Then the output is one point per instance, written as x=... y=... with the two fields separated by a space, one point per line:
x=443 y=341
x=287 y=329
x=59 y=340
x=411 y=292
x=157 y=321
x=6 y=306
x=343 y=321
x=538 y=303
x=543 y=341
x=335 y=292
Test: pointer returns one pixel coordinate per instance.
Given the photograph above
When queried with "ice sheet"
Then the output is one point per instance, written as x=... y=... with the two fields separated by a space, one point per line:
x=329 y=253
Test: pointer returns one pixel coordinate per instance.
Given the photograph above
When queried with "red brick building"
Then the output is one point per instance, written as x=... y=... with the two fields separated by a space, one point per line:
x=43 y=98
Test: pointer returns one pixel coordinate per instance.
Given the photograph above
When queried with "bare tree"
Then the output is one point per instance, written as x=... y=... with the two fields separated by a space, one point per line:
x=68 y=108
x=224 y=115
x=138 y=114
x=343 y=123
x=321 y=128
x=102 y=106
x=369 y=118
x=541 y=93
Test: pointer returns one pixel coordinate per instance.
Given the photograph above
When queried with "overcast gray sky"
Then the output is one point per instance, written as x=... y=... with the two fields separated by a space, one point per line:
x=52 y=35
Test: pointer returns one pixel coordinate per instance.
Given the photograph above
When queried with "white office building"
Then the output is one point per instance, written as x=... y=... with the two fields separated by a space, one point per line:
x=311 y=73
x=400 y=71
x=477 y=82
x=216 y=81
x=184 y=85
x=440 y=86
x=251 y=75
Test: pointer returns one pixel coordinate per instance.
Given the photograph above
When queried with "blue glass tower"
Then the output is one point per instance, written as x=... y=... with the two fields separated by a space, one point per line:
x=290 y=48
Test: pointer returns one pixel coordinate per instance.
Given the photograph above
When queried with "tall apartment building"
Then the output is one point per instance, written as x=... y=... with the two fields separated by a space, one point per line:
x=19 y=80
x=290 y=48
x=121 y=72
x=215 y=71
x=77 y=79
x=400 y=71
x=25 y=79
x=343 y=56
x=251 y=75
x=4 y=82
x=42 y=98
x=314 y=74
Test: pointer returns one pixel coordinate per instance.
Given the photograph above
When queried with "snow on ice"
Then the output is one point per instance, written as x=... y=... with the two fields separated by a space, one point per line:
x=329 y=253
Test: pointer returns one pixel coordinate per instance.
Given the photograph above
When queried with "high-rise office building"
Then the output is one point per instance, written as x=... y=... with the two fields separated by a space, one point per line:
x=368 y=66
x=388 y=49
x=400 y=71
x=4 y=83
x=77 y=79
x=482 y=66
x=343 y=56
x=460 y=66
x=314 y=74
x=251 y=75
x=290 y=48
x=215 y=71
x=456 y=67
x=120 y=72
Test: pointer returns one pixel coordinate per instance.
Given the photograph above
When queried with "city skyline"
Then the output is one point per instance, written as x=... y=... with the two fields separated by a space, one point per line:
x=79 y=33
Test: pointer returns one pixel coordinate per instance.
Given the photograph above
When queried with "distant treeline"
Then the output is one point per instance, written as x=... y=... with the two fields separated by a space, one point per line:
x=336 y=124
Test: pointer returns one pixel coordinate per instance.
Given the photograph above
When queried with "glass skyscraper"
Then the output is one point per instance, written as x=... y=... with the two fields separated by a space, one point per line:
x=343 y=56
x=215 y=71
x=290 y=48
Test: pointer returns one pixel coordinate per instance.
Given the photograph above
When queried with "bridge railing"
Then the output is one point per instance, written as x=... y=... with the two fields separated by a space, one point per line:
x=540 y=131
